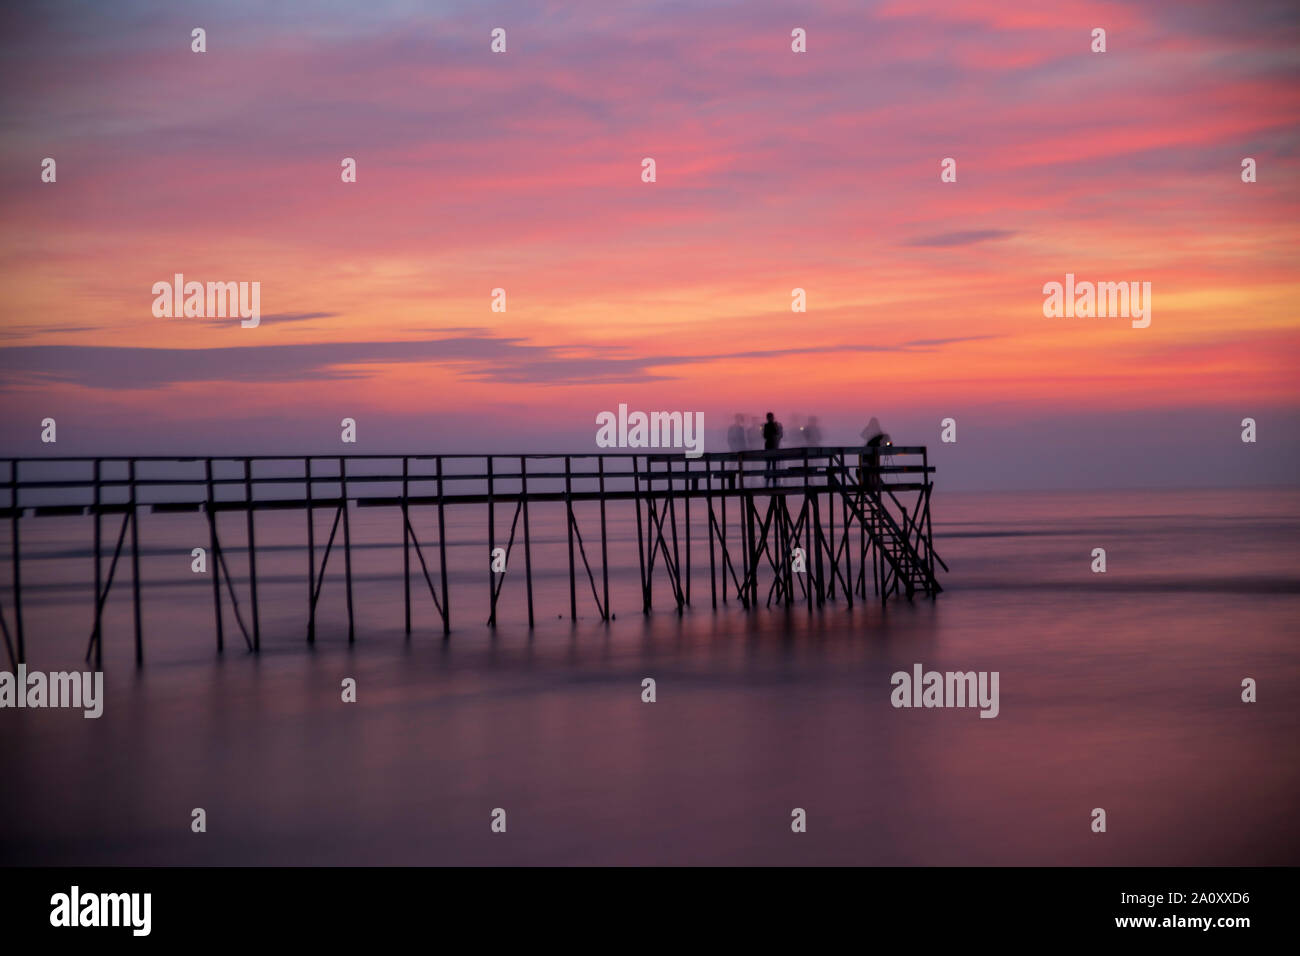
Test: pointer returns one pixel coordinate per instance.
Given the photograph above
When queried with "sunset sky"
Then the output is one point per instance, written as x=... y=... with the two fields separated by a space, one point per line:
x=775 y=170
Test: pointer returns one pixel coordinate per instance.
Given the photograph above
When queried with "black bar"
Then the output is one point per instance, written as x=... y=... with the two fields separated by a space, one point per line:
x=1020 y=906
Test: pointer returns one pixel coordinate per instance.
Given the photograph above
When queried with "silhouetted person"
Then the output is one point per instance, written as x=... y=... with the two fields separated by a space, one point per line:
x=736 y=434
x=772 y=432
x=812 y=435
x=877 y=438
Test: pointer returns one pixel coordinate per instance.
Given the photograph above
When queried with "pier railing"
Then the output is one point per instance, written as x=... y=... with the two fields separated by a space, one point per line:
x=885 y=494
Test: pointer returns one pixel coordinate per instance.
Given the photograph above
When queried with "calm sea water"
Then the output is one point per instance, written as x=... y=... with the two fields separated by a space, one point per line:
x=1119 y=691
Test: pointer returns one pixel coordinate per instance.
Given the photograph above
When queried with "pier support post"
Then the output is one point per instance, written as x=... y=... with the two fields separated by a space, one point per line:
x=347 y=543
x=16 y=571
x=688 y=485
x=252 y=554
x=676 y=569
x=750 y=580
x=809 y=513
x=830 y=530
x=406 y=542
x=492 y=546
x=723 y=482
x=311 y=556
x=135 y=565
x=604 y=540
x=213 y=563
x=99 y=605
x=708 y=498
x=568 y=508
x=791 y=540
x=442 y=555
x=640 y=537
x=820 y=544
x=528 y=544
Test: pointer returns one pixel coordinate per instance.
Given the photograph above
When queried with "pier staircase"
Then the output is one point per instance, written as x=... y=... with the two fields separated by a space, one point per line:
x=907 y=561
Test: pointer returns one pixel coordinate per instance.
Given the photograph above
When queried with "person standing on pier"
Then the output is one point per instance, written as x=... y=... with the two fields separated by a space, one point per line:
x=736 y=434
x=772 y=432
x=869 y=462
x=812 y=434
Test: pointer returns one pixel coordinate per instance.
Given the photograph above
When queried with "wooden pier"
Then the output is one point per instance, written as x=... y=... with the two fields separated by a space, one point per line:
x=781 y=502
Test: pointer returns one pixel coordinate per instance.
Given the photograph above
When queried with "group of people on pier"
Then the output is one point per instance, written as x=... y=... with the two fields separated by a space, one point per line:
x=743 y=437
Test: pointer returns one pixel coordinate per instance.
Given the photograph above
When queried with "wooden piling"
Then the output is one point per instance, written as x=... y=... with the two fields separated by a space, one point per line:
x=676 y=569
x=99 y=605
x=406 y=541
x=688 y=485
x=492 y=546
x=708 y=497
x=135 y=566
x=604 y=540
x=640 y=545
x=568 y=508
x=252 y=554
x=16 y=571
x=442 y=554
x=722 y=530
x=528 y=546
x=311 y=559
x=213 y=563
x=347 y=543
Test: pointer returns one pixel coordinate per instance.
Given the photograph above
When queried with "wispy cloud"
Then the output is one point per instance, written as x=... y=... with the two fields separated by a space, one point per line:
x=31 y=331
x=479 y=357
x=934 y=343
x=274 y=318
x=963 y=238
